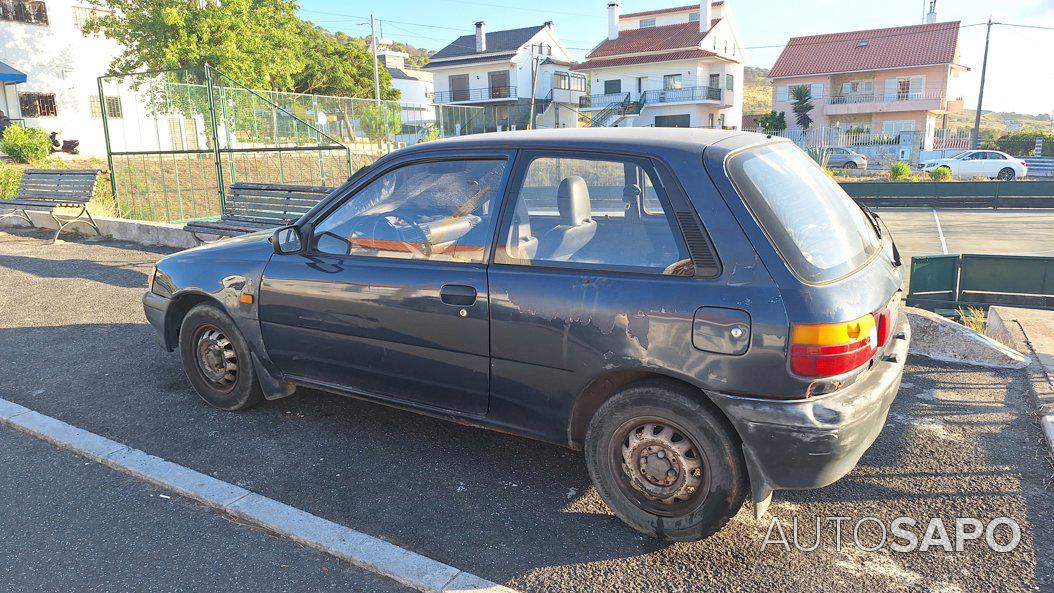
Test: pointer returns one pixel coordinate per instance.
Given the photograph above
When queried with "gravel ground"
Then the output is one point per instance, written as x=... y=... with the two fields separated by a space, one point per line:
x=960 y=443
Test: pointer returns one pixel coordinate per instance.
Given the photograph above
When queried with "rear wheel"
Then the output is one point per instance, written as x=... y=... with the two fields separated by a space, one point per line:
x=666 y=462
x=849 y=165
x=216 y=359
x=1006 y=174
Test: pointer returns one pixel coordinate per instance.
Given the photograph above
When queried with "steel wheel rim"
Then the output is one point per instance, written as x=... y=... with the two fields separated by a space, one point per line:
x=660 y=467
x=215 y=358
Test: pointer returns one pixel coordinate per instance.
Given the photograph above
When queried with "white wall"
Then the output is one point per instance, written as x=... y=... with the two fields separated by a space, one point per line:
x=414 y=91
x=57 y=58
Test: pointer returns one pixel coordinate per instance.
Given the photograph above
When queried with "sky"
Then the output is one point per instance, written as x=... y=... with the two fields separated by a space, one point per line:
x=1020 y=74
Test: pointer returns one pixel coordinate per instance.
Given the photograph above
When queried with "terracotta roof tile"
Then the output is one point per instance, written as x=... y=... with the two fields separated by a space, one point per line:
x=667 y=10
x=895 y=47
x=631 y=41
x=687 y=54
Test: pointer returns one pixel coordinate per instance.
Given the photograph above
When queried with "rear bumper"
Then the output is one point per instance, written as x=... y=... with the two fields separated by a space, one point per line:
x=156 y=308
x=811 y=443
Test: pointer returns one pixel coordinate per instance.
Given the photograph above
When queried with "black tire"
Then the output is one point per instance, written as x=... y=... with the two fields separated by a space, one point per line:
x=721 y=484
x=849 y=165
x=1006 y=174
x=209 y=344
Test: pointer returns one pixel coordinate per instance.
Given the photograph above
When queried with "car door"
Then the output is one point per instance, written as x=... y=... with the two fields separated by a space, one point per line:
x=839 y=157
x=590 y=273
x=993 y=163
x=972 y=165
x=390 y=298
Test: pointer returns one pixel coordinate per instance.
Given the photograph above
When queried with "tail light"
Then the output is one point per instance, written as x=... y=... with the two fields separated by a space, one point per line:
x=885 y=325
x=829 y=349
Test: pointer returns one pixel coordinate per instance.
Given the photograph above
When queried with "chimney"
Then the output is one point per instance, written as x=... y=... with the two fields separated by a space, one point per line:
x=613 y=20
x=549 y=24
x=481 y=37
x=931 y=16
x=706 y=14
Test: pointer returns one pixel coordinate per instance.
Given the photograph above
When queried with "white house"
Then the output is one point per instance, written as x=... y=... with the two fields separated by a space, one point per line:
x=497 y=70
x=415 y=86
x=670 y=67
x=43 y=39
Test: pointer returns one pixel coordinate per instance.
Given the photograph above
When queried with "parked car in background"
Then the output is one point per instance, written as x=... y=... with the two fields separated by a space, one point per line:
x=705 y=313
x=843 y=158
x=980 y=163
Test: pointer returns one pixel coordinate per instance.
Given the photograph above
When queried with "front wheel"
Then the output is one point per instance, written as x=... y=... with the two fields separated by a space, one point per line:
x=1006 y=174
x=217 y=359
x=666 y=462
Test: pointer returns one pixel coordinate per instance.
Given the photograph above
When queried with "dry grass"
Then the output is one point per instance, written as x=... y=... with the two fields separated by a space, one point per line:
x=973 y=318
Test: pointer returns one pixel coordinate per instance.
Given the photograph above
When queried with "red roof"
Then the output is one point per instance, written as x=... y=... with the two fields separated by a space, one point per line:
x=667 y=10
x=686 y=54
x=896 y=47
x=666 y=37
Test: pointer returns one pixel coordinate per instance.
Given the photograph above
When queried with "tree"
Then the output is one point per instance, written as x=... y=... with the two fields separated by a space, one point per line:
x=802 y=105
x=772 y=122
x=256 y=42
x=338 y=65
x=381 y=121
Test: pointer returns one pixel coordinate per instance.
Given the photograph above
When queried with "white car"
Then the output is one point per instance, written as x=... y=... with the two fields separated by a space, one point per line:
x=980 y=163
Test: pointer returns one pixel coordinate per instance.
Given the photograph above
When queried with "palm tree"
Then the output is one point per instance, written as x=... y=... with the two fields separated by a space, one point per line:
x=802 y=105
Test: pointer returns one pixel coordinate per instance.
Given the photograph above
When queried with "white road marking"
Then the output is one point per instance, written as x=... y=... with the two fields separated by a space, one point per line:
x=365 y=551
x=940 y=232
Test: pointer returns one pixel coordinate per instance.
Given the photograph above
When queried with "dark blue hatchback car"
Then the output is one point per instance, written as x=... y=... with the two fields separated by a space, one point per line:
x=705 y=313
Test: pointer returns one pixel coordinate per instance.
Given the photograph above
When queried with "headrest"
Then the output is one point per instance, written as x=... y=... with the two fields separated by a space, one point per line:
x=572 y=199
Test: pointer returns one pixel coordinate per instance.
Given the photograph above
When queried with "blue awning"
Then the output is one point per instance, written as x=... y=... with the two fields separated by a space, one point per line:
x=9 y=74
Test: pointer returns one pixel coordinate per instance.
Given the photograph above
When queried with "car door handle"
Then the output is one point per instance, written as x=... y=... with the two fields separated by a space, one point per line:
x=457 y=294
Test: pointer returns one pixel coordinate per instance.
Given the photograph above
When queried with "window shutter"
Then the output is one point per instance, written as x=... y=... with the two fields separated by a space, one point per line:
x=847 y=87
x=782 y=94
x=816 y=90
x=891 y=89
x=917 y=85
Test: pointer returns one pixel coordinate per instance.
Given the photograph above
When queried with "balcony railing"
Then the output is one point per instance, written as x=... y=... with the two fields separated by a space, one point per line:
x=601 y=101
x=482 y=94
x=884 y=97
x=695 y=93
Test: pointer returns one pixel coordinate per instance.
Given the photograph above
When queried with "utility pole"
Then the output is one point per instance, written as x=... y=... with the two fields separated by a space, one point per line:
x=980 y=92
x=376 y=74
x=534 y=80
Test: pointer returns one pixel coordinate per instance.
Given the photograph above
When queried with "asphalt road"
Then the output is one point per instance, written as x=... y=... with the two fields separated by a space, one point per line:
x=918 y=231
x=72 y=525
x=960 y=443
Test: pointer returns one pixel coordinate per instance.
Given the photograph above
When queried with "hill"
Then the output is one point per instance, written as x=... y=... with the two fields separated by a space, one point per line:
x=757 y=92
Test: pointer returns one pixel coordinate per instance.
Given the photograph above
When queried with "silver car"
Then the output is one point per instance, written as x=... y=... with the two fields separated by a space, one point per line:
x=843 y=158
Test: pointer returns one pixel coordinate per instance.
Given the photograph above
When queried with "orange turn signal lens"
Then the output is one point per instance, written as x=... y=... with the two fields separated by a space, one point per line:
x=829 y=349
x=246 y=298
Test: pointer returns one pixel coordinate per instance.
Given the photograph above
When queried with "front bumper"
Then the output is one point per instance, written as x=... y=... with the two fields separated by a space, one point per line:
x=811 y=443
x=156 y=308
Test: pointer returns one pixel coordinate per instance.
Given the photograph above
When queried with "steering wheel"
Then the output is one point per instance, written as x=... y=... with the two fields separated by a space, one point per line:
x=422 y=234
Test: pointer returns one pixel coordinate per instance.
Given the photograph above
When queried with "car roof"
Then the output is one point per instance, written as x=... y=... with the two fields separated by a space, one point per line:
x=645 y=139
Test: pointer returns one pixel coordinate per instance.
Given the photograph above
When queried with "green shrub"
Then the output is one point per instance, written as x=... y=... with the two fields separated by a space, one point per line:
x=941 y=174
x=10 y=178
x=899 y=170
x=25 y=145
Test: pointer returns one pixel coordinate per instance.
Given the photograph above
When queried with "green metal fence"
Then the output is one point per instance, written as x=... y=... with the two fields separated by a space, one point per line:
x=978 y=280
x=176 y=139
x=953 y=194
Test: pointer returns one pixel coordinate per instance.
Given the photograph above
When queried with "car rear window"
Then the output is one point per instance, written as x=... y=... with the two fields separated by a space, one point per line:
x=818 y=230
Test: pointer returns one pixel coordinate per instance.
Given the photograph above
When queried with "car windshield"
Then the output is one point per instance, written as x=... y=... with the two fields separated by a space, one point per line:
x=818 y=230
x=961 y=156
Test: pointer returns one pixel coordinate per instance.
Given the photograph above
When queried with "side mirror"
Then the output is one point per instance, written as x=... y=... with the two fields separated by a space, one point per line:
x=287 y=240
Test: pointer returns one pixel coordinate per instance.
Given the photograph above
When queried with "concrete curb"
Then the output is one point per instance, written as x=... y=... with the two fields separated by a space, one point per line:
x=1031 y=331
x=365 y=551
x=136 y=231
x=941 y=339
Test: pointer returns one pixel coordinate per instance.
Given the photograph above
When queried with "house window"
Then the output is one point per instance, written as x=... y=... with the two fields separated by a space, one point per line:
x=673 y=121
x=33 y=12
x=113 y=107
x=816 y=90
x=647 y=23
x=715 y=81
x=671 y=82
x=498 y=82
x=710 y=120
x=730 y=82
x=37 y=104
x=721 y=120
x=693 y=17
x=568 y=81
x=782 y=93
x=458 y=87
x=861 y=87
x=612 y=87
x=898 y=126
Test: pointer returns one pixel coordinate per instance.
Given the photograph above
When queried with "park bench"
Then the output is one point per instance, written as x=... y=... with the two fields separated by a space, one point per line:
x=251 y=207
x=44 y=190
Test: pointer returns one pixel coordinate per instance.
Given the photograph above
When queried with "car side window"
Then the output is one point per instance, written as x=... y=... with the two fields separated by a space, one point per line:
x=995 y=156
x=438 y=210
x=591 y=213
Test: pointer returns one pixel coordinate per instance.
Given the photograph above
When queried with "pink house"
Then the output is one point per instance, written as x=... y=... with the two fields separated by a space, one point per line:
x=881 y=80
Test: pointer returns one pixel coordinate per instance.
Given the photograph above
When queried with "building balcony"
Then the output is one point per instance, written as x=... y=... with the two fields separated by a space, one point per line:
x=862 y=103
x=692 y=94
x=480 y=95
